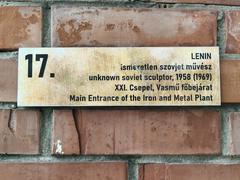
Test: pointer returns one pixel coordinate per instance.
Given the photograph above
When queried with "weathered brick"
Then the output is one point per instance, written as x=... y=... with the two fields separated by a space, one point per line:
x=84 y=26
x=146 y=132
x=230 y=78
x=20 y=27
x=65 y=134
x=223 y=2
x=19 y=131
x=191 y=171
x=66 y=171
x=234 y=130
x=8 y=80
x=232 y=23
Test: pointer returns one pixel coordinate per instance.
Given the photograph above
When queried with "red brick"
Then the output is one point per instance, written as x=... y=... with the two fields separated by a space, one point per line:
x=232 y=21
x=230 y=78
x=234 y=129
x=19 y=131
x=223 y=2
x=8 y=80
x=147 y=132
x=191 y=171
x=64 y=133
x=84 y=26
x=66 y=171
x=20 y=27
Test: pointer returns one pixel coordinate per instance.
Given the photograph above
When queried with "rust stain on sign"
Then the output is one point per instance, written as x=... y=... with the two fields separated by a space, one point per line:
x=137 y=76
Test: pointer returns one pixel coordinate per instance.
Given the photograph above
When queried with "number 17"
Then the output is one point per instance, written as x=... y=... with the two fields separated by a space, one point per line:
x=29 y=58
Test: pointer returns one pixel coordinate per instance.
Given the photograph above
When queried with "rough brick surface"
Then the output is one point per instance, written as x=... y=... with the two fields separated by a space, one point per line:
x=8 y=80
x=146 y=132
x=83 y=26
x=20 y=27
x=232 y=19
x=19 y=131
x=190 y=172
x=230 y=78
x=223 y=2
x=234 y=129
x=68 y=135
x=66 y=171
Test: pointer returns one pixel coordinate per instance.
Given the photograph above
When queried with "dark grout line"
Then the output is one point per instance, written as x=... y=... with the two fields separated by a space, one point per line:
x=46 y=25
x=132 y=170
x=46 y=131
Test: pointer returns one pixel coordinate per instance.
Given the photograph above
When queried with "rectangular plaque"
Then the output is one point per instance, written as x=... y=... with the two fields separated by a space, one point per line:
x=119 y=76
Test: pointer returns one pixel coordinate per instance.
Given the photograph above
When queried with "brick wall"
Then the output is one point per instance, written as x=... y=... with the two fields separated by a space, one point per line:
x=150 y=143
